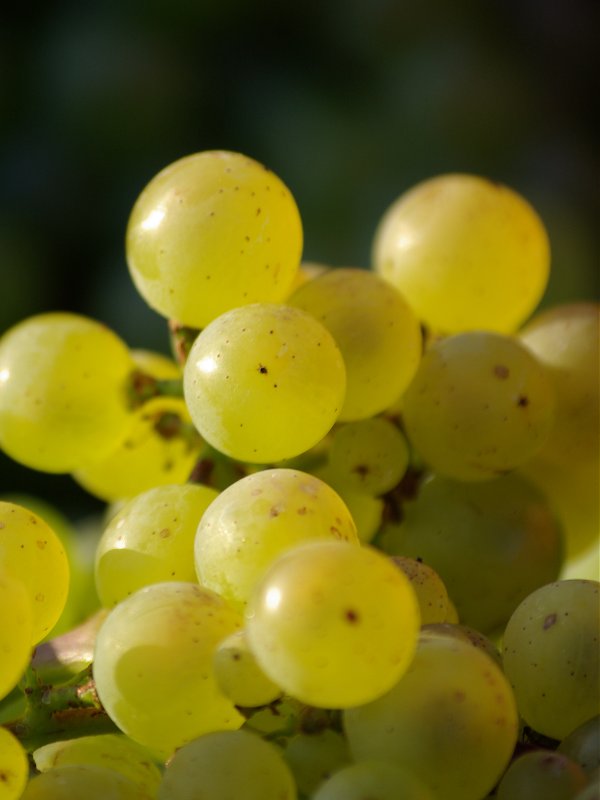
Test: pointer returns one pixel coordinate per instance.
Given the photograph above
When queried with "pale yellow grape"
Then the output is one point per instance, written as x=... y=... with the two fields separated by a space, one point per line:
x=566 y=339
x=153 y=665
x=480 y=405
x=333 y=624
x=85 y=781
x=552 y=655
x=33 y=554
x=541 y=775
x=314 y=756
x=376 y=330
x=150 y=540
x=373 y=780
x=264 y=382
x=154 y=452
x=366 y=511
x=466 y=253
x=238 y=674
x=62 y=391
x=429 y=589
x=227 y=765
x=451 y=719
x=369 y=455
x=210 y=232
x=14 y=767
x=113 y=750
x=16 y=626
x=256 y=519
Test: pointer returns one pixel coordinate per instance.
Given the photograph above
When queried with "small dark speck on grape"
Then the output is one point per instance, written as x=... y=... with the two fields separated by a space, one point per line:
x=351 y=616
x=500 y=371
x=522 y=401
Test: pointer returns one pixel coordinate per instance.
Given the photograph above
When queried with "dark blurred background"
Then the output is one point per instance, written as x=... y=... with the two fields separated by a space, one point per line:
x=350 y=102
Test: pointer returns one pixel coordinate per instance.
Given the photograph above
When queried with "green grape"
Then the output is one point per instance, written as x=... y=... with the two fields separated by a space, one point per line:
x=227 y=764
x=466 y=252
x=451 y=719
x=114 y=751
x=16 y=630
x=158 y=448
x=376 y=330
x=92 y=782
x=465 y=634
x=333 y=624
x=375 y=780
x=480 y=405
x=429 y=589
x=591 y=791
x=551 y=656
x=32 y=553
x=153 y=665
x=259 y=517
x=210 y=232
x=264 y=382
x=313 y=757
x=491 y=543
x=62 y=391
x=566 y=339
x=14 y=768
x=366 y=512
x=150 y=540
x=369 y=456
x=583 y=745
x=239 y=676
x=541 y=775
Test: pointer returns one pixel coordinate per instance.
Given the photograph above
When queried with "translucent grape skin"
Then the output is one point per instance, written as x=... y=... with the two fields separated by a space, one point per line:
x=15 y=632
x=264 y=382
x=479 y=406
x=14 y=767
x=32 y=553
x=466 y=252
x=551 y=656
x=333 y=624
x=153 y=665
x=150 y=540
x=259 y=517
x=451 y=719
x=83 y=780
x=62 y=391
x=376 y=330
x=239 y=676
x=227 y=764
x=429 y=589
x=213 y=231
x=376 y=780
x=541 y=775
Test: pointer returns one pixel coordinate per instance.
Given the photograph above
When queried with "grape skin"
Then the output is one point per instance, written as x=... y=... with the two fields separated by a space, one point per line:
x=14 y=767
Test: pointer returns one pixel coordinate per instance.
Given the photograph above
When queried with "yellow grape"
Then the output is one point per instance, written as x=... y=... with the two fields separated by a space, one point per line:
x=466 y=253
x=89 y=781
x=264 y=382
x=14 y=767
x=32 y=553
x=210 y=232
x=15 y=630
x=62 y=391
x=238 y=674
x=429 y=589
x=333 y=624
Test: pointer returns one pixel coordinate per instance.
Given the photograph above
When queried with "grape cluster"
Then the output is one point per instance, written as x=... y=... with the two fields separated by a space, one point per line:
x=350 y=545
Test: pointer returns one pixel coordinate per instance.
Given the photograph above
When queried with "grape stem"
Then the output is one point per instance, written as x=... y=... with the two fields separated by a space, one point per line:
x=142 y=387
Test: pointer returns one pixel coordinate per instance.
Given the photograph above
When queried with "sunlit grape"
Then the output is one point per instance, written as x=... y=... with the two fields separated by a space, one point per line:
x=14 y=767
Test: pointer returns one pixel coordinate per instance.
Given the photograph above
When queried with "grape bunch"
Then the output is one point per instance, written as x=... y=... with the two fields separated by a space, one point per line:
x=350 y=541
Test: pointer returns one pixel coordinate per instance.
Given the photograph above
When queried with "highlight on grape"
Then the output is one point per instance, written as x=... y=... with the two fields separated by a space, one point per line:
x=350 y=539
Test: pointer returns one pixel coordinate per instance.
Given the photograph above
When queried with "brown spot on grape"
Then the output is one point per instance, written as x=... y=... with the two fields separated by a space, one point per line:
x=302 y=511
x=165 y=533
x=262 y=369
x=500 y=371
x=361 y=469
x=41 y=543
x=522 y=401
x=549 y=621
x=351 y=615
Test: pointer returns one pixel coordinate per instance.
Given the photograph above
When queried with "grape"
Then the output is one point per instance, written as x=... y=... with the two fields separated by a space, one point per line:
x=479 y=406
x=366 y=512
x=551 y=656
x=376 y=331
x=227 y=765
x=591 y=791
x=91 y=782
x=14 y=768
x=62 y=391
x=566 y=339
x=451 y=719
x=150 y=540
x=368 y=456
x=583 y=745
x=465 y=634
x=333 y=624
x=541 y=775
x=264 y=382
x=114 y=751
x=161 y=446
x=491 y=543
x=238 y=675
x=375 y=780
x=32 y=553
x=153 y=664
x=259 y=517
x=429 y=589
x=313 y=757
x=467 y=253
x=210 y=232
x=15 y=631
